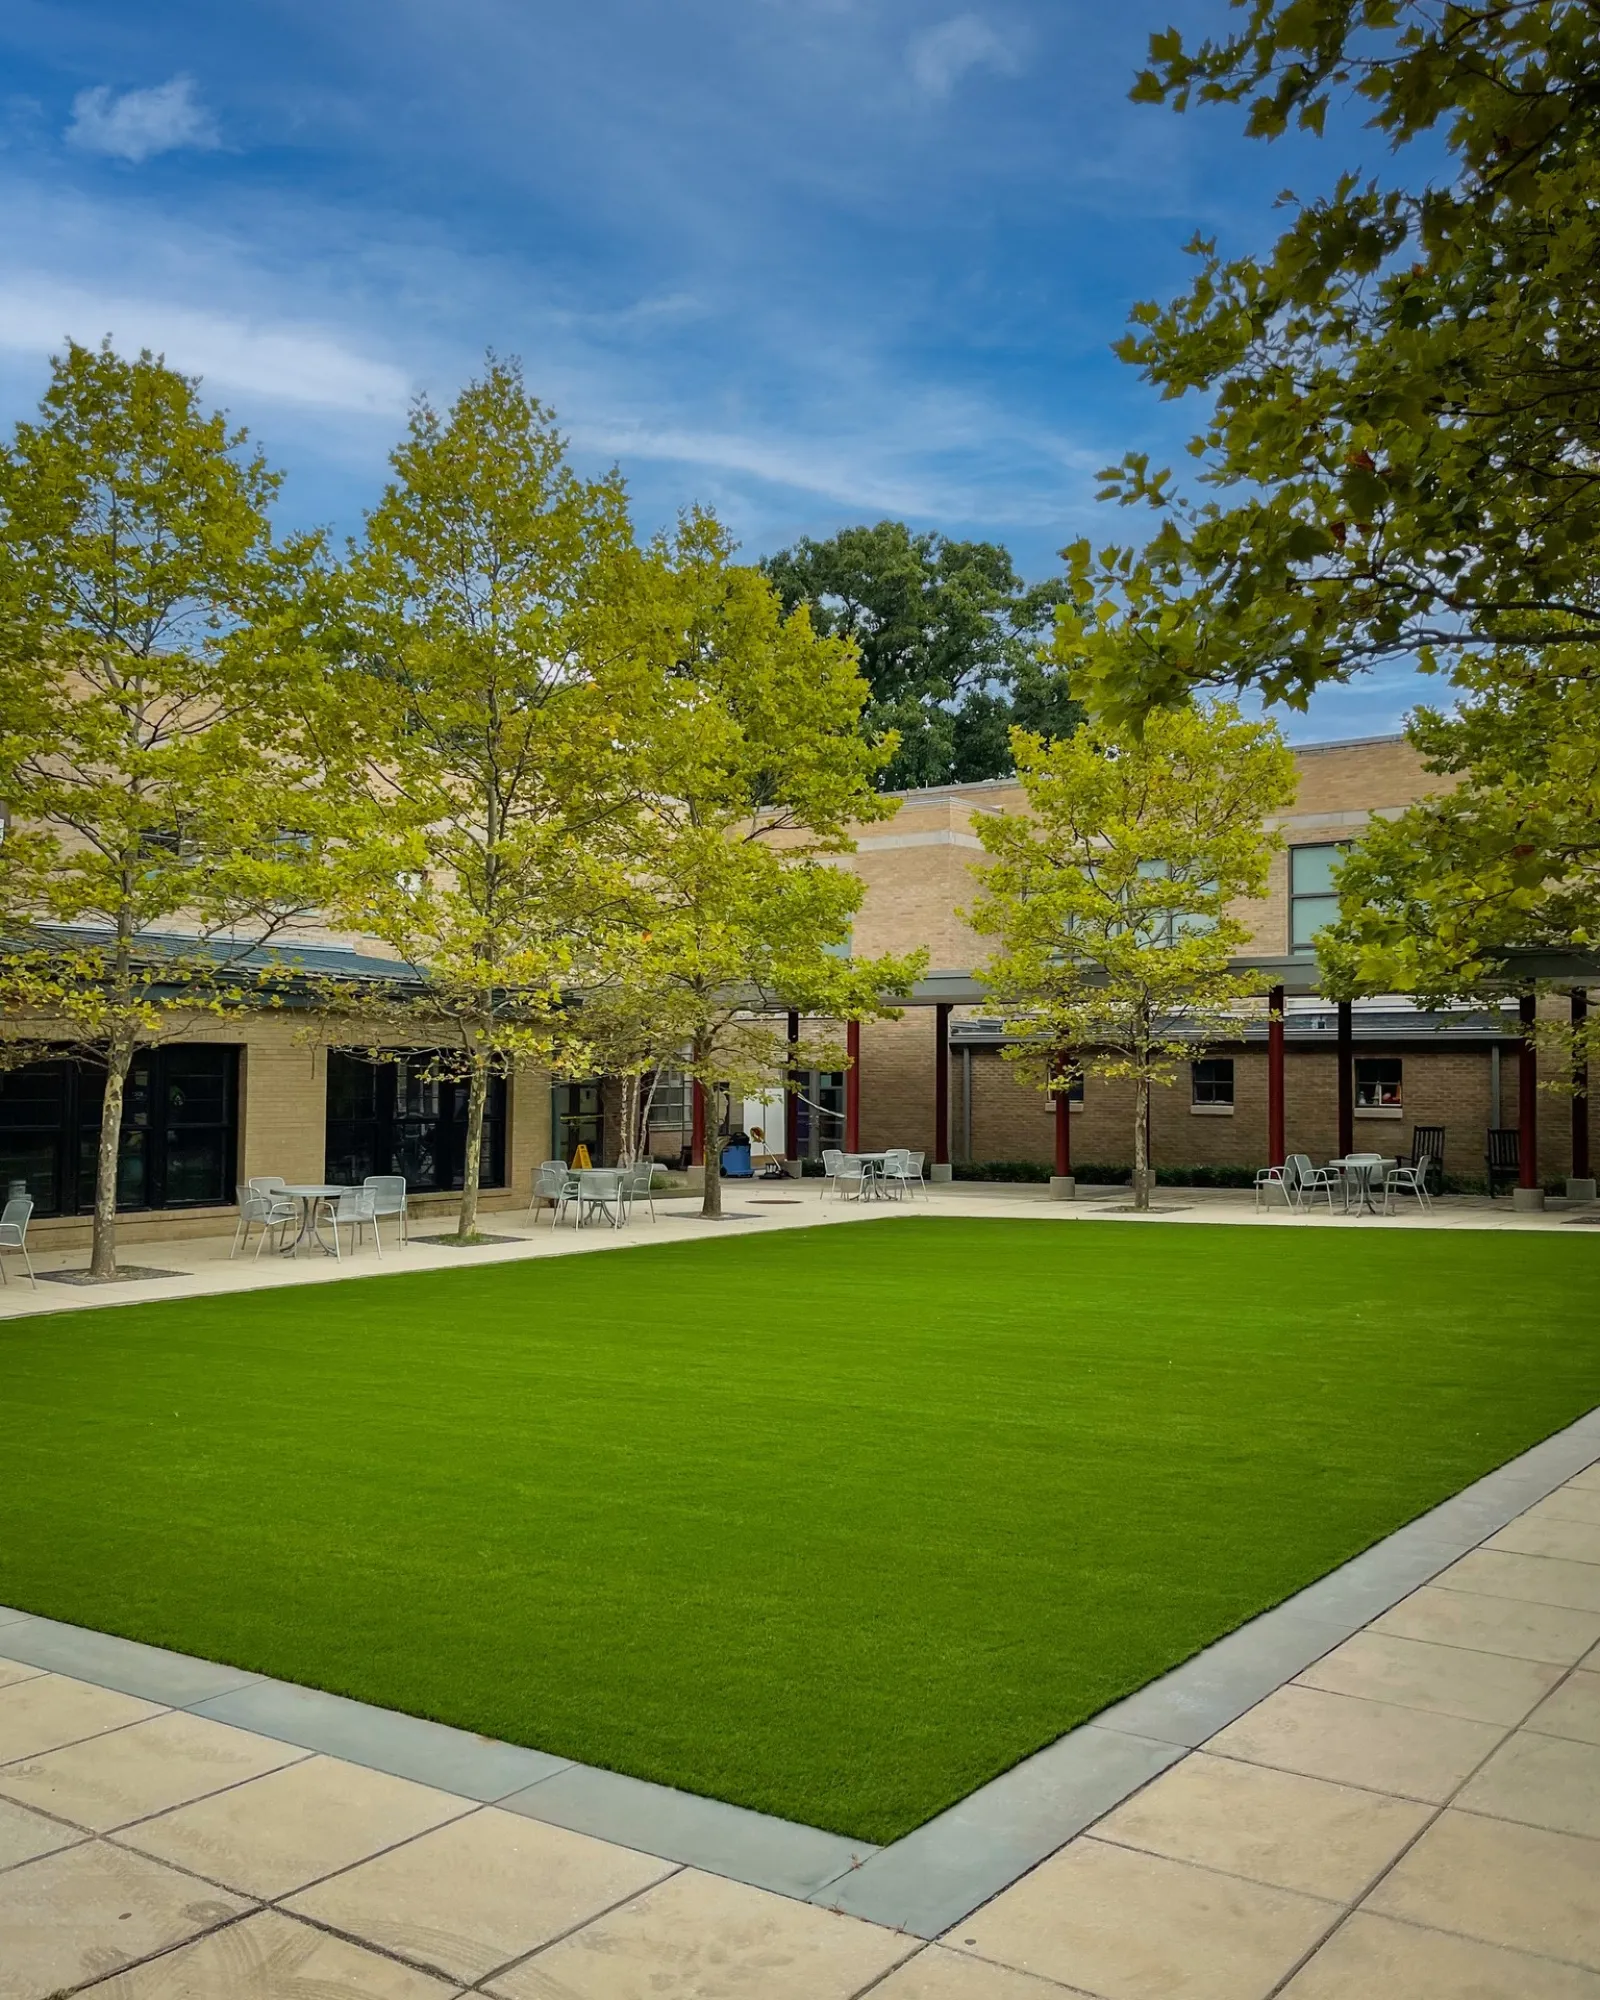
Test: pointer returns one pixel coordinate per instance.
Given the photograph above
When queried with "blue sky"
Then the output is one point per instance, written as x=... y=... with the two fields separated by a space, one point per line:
x=809 y=261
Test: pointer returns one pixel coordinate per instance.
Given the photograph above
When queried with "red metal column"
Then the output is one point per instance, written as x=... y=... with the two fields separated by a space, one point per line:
x=1063 y=1136
x=697 y=1129
x=941 y=1084
x=1528 y=1098
x=1347 y=1081
x=852 y=1088
x=1580 y=1088
x=791 y=1094
x=1275 y=1140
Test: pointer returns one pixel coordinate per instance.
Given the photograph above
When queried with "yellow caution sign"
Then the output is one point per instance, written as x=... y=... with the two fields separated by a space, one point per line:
x=581 y=1158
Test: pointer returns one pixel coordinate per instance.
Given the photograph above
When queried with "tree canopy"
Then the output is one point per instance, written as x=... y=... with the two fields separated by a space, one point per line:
x=949 y=637
x=1401 y=456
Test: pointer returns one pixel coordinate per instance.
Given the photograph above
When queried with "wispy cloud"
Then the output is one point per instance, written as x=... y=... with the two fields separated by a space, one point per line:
x=940 y=57
x=276 y=362
x=138 y=124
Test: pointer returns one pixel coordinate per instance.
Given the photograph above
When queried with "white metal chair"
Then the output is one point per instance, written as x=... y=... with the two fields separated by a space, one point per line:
x=390 y=1193
x=1286 y=1179
x=918 y=1161
x=357 y=1209
x=852 y=1178
x=14 y=1219
x=263 y=1207
x=1310 y=1181
x=556 y=1184
x=1408 y=1180
x=638 y=1184
x=600 y=1193
x=832 y=1162
x=895 y=1173
x=265 y=1183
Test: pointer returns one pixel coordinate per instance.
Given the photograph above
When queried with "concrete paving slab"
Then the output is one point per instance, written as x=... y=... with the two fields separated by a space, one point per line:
x=725 y=1840
x=941 y=1873
x=406 y=1746
x=175 y=1679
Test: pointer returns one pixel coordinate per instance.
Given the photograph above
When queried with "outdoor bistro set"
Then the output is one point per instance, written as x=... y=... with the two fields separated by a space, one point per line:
x=1353 y=1182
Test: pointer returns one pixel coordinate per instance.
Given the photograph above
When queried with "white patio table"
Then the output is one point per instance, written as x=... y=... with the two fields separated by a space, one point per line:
x=1364 y=1172
x=310 y=1195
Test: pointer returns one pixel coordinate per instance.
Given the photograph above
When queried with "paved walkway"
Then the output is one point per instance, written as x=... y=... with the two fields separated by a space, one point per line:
x=1416 y=1814
x=202 y=1267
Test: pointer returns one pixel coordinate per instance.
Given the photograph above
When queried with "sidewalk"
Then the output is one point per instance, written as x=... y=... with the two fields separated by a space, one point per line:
x=1416 y=1814
x=201 y=1265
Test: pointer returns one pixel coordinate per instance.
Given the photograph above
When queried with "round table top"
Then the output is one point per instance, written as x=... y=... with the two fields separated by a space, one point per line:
x=310 y=1189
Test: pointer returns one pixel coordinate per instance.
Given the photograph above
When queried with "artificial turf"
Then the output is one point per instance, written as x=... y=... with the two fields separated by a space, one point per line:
x=833 y=1523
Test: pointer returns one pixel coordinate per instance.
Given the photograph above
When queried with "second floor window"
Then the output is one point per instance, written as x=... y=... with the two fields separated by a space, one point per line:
x=1313 y=903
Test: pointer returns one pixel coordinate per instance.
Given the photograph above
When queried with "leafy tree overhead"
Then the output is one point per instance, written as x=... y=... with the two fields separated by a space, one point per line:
x=1109 y=897
x=1402 y=449
x=949 y=637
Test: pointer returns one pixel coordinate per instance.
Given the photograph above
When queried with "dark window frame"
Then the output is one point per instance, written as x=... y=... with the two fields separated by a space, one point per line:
x=1372 y=1083
x=160 y=1148
x=1204 y=1090
x=410 y=1124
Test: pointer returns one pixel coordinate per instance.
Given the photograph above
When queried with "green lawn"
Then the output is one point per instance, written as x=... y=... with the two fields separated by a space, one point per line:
x=834 y=1523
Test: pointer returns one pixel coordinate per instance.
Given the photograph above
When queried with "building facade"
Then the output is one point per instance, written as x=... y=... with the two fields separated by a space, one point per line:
x=279 y=1094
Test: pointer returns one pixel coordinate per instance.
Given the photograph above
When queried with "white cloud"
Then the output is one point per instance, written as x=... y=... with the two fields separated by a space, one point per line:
x=141 y=123
x=942 y=56
x=280 y=363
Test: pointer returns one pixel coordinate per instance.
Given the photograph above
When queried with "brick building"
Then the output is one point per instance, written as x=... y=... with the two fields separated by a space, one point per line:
x=278 y=1094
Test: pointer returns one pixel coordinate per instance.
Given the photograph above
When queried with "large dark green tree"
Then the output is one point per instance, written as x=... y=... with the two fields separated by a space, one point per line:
x=1401 y=452
x=949 y=637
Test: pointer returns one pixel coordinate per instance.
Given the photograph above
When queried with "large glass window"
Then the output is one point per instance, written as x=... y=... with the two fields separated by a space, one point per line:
x=1313 y=901
x=179 y=1130
x=396 y=1115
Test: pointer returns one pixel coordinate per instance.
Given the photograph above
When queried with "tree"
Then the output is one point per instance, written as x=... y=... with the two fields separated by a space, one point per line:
x=1110 y=897
x=484 y=654
x=165 y=825
x=949 y=638
x=1403 y=444
x=758 y=766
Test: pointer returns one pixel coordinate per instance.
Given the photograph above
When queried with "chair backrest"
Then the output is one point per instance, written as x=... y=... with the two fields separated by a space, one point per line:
x=1505 y=1148
x=389 y=1191
x=16 y=1212
x=639 y=1176
x=1297 y=1167
x=1427 y=1143
x=896 y=1159
x=552 y=1179
x=916 y=1160
x=832 y=1159
x=266 y=1183
x=600 y=1183
x=356 y=1204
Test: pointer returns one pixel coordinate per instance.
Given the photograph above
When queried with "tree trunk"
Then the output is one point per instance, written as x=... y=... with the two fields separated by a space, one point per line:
x=711 y=1201
x=103 y=1256
x=477 y=1099
x=628 y=1122
x=1141 y=1132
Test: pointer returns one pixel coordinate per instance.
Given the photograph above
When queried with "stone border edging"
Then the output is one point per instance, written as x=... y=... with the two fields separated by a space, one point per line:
x=942 y=1871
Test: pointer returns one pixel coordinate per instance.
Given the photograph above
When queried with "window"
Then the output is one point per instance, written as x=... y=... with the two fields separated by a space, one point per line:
x=394 y=1116
x=1313 y=901
x=1165 y=925
x=1378 y=1083
x=1211 y=1080
x=179 y=1130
